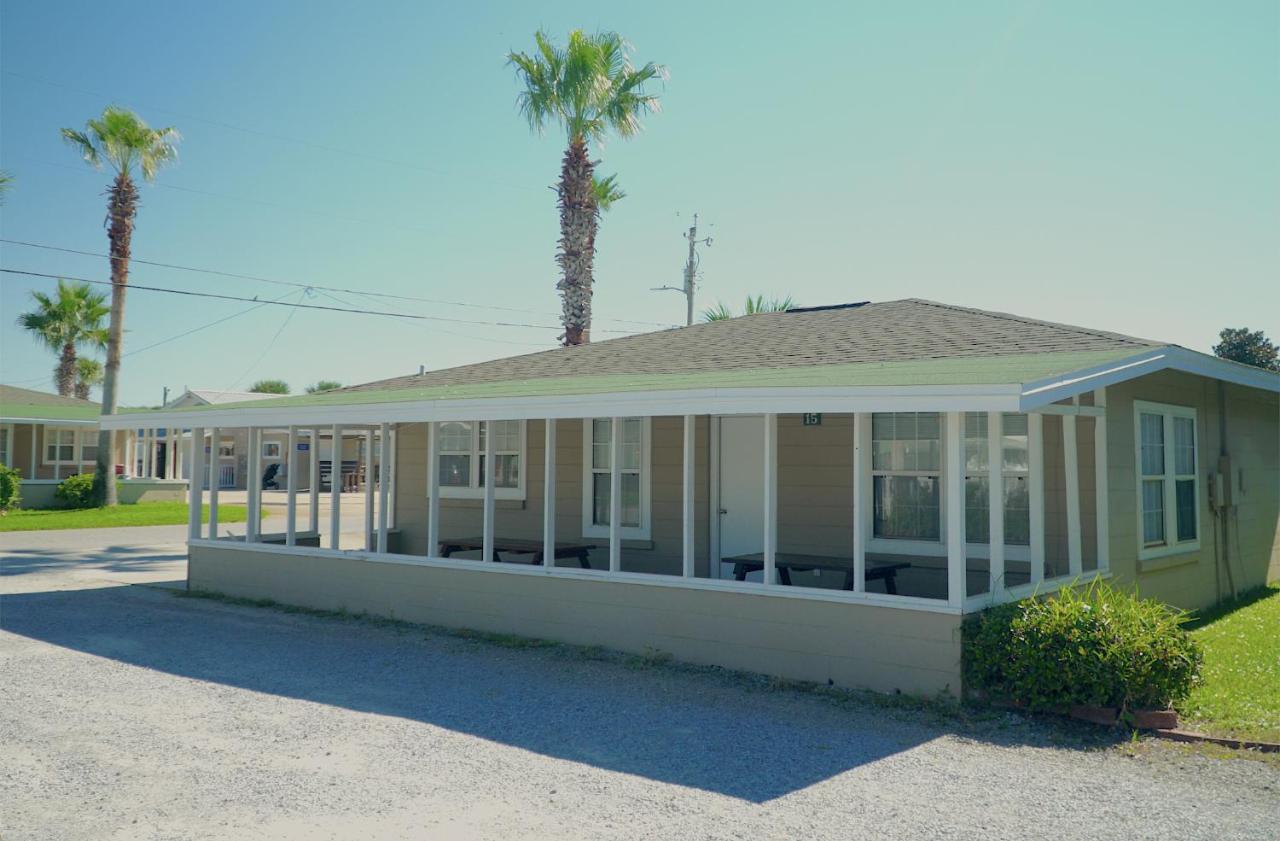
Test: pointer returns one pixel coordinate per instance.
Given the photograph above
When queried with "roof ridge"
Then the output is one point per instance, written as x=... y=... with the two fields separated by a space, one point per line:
x=1022 y=319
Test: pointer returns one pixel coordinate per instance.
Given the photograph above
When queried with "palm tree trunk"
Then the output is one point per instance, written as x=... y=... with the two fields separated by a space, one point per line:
x=66 y=370
x=578 y=218
x=121 y=208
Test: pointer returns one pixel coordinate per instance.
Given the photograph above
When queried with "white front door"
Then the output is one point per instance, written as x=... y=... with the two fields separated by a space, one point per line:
x=741 y=489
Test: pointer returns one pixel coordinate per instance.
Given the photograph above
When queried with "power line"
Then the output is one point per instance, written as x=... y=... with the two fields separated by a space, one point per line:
x=298 y=285
x=221 y=297
x=268 y=347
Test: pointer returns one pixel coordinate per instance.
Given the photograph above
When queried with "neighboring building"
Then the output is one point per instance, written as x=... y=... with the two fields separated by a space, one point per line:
x=47 y=437
x=234 y=458
x=809 y=493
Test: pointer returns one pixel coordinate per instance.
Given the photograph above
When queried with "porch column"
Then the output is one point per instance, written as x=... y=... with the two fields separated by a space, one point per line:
x=171 y=463
x=686 y=542
x=148 y=452
x=1103 y=504
x=487 y=477
x=77 y=449
x=861 y=446
x=1071 y=458
x=179 y=457
x=433 y=493
x=995 y=498
x=549 y=496
x=770 y=549
x=369 y=537
x=954 y=447
x=291 y=487
x=195 y=491
x=57 y=452
x=35 y=448
x=384 y=485
x=391 y=479
x=125 y=453
x=335 y=490
x=253 y=484
x=1035 y=487
x=313 y=482
x=215 y=479
x=615 y=495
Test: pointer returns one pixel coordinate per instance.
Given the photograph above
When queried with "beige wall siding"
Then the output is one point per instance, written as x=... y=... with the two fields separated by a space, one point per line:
x=877 y=648
x=1195 y=579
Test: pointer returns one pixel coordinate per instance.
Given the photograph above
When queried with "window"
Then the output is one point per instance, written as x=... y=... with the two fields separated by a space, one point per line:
x=906 y=462
x=460 y=461
x=633 y=469
x=1168 y=489
x=60 y=445
x=6 y=435
x=1015 y=470
x=227 y=448
x=271 y=450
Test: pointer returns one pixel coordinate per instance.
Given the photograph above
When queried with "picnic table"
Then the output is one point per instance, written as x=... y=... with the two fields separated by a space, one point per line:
x=518 y=545
x=785 y=562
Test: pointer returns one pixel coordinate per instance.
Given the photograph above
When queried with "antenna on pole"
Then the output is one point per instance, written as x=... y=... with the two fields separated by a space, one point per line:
x=690 y=270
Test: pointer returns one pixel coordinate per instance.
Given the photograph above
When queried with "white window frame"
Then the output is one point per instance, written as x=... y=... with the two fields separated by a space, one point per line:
x=1170 y=479
x=71 y=430
x=279 y=450
x=906 y=545
x=590 y=528
x=6 y=453
x=473 y=488
x=227 y=444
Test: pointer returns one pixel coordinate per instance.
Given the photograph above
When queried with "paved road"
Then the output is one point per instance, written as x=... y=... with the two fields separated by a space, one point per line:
x=129 y=712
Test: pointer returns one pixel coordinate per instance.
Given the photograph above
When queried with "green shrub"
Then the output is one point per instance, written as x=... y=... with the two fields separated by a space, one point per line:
x=10 y=487
x=1098 y=645
x=75 y=491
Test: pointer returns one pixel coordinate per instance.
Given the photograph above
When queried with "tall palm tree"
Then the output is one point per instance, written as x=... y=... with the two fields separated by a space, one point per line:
x=65 y=322
x=88 y=375
x=128 y=145
x=753 y=306
x=591 y=89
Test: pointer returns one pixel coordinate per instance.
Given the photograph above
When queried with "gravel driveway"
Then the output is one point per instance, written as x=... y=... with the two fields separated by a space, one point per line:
x=129 y=712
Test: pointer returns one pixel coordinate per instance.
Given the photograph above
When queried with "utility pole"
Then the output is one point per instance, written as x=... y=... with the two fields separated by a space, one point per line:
x=690 y=270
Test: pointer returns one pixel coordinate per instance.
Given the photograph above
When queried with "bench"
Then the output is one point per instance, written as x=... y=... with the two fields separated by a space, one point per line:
x=786 y=562
x=518 y=546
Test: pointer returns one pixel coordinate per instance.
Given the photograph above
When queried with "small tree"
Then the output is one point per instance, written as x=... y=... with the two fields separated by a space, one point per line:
x=270 y=387
x=1251 y=347
x=88 y=375
x=323 y=385
x=65 y=322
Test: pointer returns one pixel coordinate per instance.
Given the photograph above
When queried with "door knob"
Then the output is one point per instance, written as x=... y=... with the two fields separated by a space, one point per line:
x=724 y=510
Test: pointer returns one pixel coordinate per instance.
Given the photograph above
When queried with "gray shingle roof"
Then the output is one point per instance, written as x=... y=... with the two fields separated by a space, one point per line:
x=892 y=331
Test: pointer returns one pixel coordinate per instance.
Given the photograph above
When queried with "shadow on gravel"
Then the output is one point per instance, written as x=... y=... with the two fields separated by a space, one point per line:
x=705 y=729
x=110 y=559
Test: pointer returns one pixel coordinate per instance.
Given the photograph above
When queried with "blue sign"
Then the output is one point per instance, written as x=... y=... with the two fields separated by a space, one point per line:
x=303 y=446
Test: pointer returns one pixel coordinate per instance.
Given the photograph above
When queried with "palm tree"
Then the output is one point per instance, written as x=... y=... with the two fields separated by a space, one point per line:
x=88 y=375
x=127 y=144
x=65 y=322
x=753 y=306
x=591 y=89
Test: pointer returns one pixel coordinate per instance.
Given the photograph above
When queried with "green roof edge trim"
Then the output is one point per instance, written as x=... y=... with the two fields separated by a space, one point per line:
x=978 y=370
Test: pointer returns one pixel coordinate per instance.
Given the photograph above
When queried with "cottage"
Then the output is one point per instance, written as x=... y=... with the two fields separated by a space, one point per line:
x=820 y=494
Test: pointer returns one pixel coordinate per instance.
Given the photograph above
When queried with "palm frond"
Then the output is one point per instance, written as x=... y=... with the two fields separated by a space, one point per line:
x=607 y=192
x=125 y=141
x=720 y=312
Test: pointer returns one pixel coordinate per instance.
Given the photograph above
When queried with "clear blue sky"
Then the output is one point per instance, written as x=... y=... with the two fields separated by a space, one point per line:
x=1109 y=164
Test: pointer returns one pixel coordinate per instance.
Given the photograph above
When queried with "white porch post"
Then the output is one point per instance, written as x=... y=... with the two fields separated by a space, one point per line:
x=313 y=482
x=686 y=510
x=253 y=483
x=391 y=480
x=954 y=447
x=195 y=492
x=770 y=535
x=549 y=497
x=179 y=459
x=370 y=539
x=35 y=446
x=487 y=474
x=291 y=487
x=1071 y=458
x=149 y=453
x=215 y=479
x=171 y=463
x=384 y=485
x=433 y=492
x=335 y=490
x=615 y=495
x=1035 y=487
x=127 y=455
x=1101 y=484
x=861 y=447
x=995 y=498
x=57 y=453
x=77 y=448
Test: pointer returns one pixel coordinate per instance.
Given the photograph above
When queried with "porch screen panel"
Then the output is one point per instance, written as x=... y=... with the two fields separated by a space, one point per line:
x=506 y=454
x=629 y=465
x=906 y=461
x=1015 y=469
x=455 y=438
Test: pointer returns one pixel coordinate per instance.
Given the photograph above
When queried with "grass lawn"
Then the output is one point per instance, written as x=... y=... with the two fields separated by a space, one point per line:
x=1240 y=692
x=139 y=514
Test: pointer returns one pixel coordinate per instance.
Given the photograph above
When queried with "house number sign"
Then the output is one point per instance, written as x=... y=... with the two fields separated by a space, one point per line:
x=813 y=418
